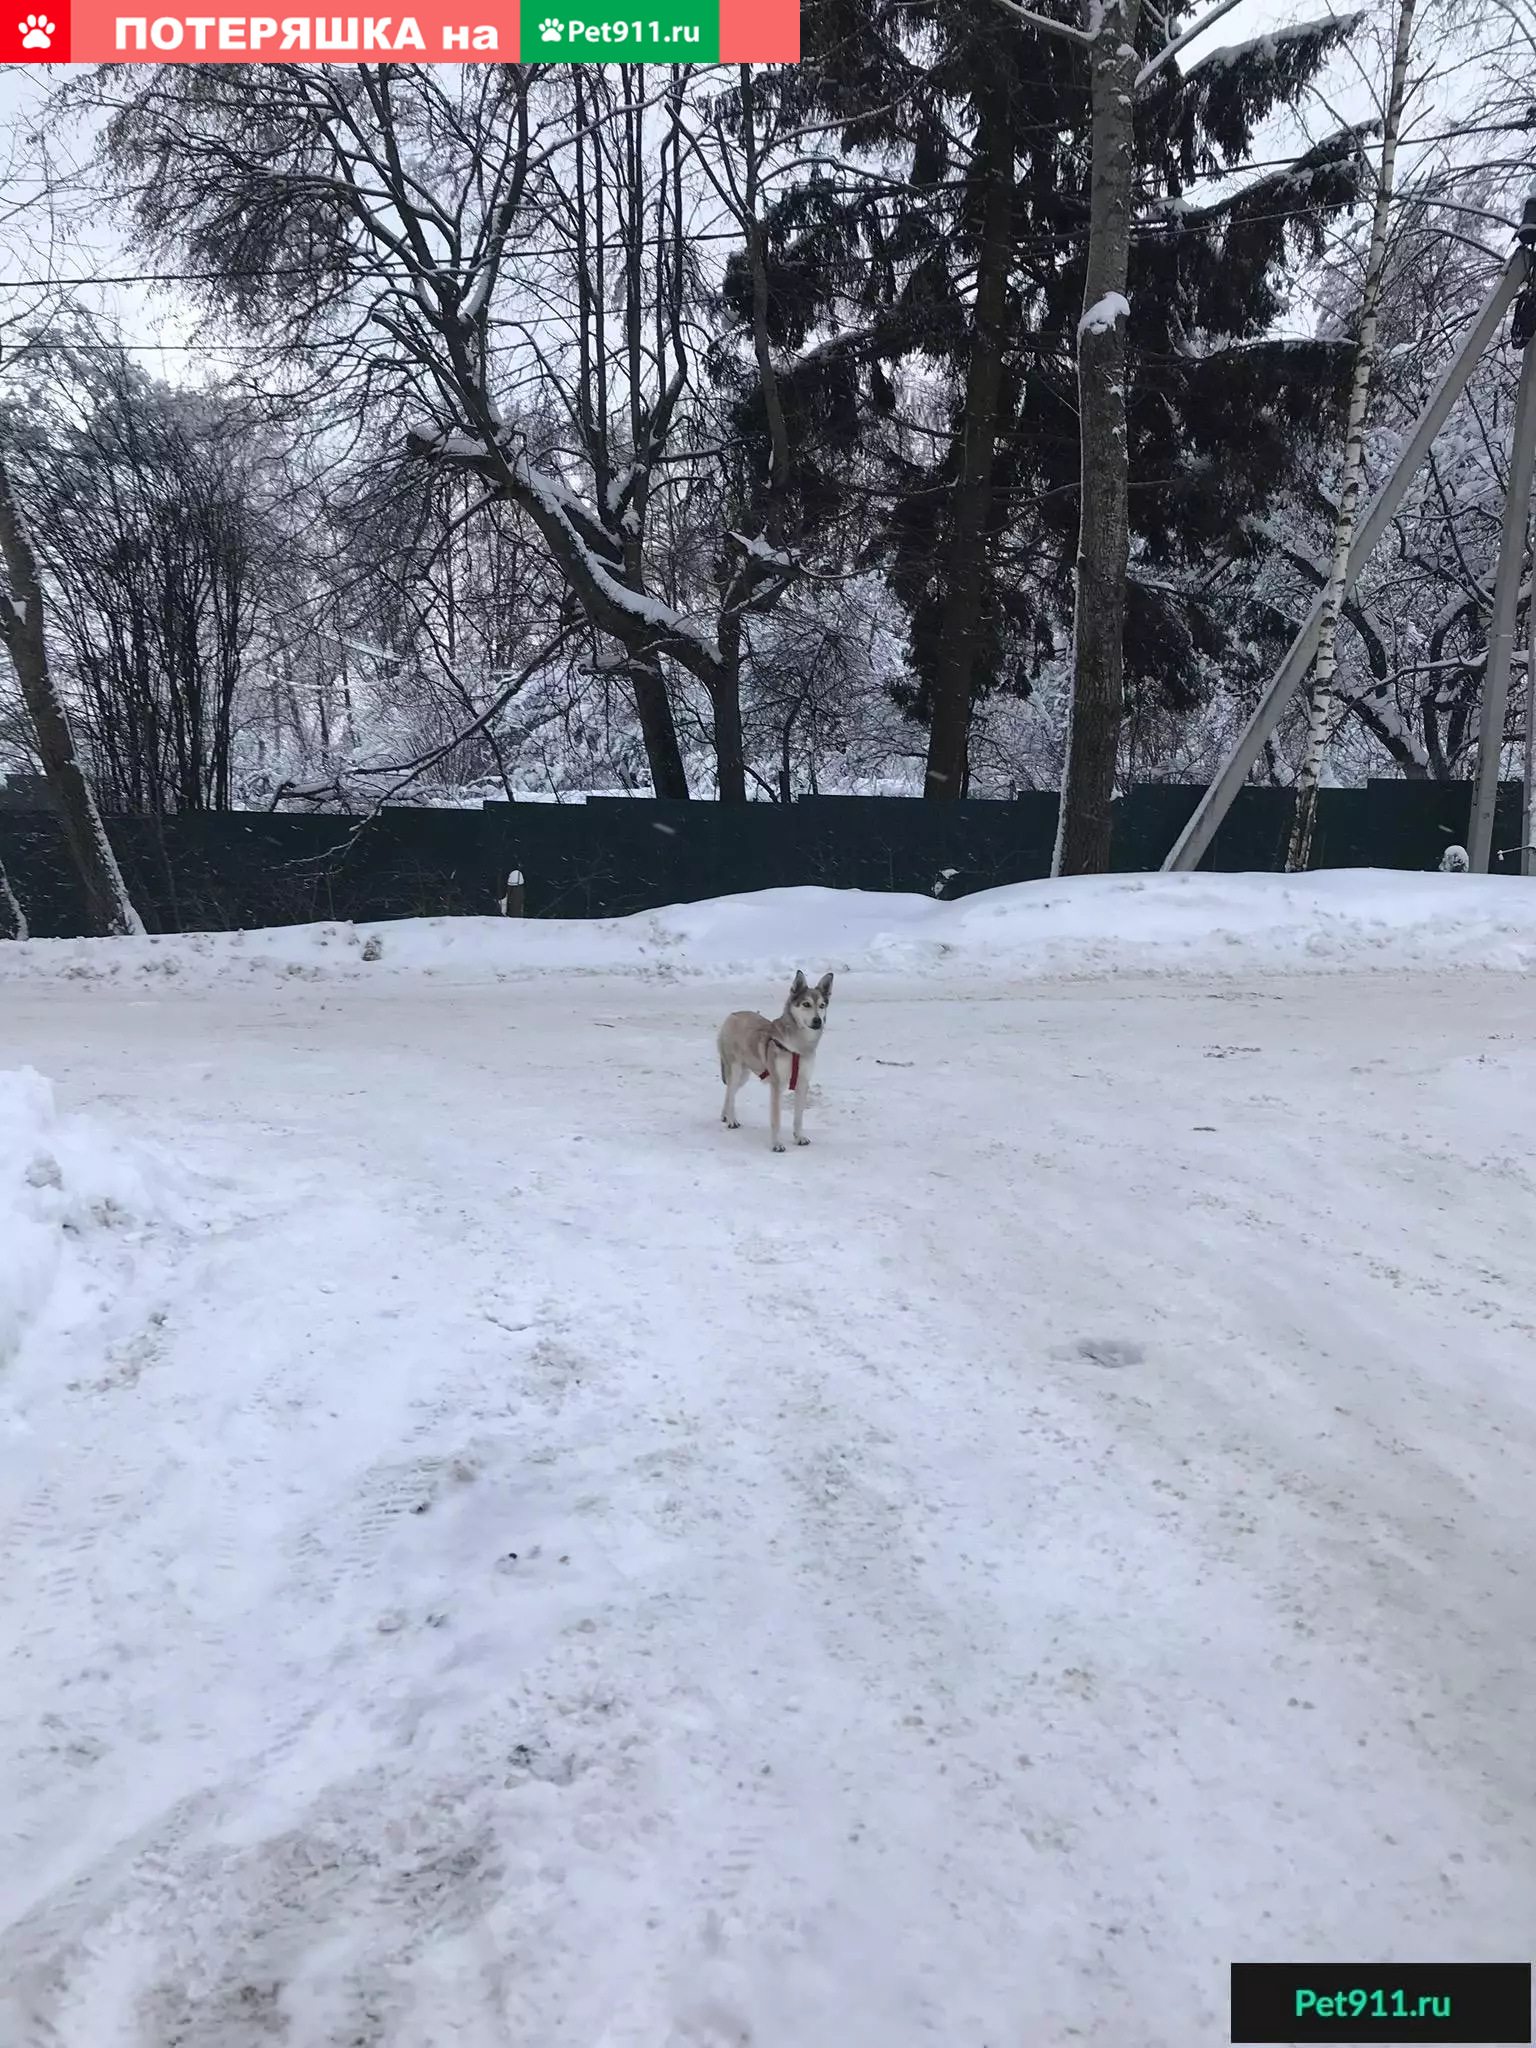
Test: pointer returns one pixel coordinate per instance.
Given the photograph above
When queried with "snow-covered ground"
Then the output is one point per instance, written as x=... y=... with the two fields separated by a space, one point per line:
x=493 y=1559
x=1156 y=924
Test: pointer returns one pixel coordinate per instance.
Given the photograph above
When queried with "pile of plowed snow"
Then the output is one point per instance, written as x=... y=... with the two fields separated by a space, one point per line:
x=1098 y=925
x=68 y=1192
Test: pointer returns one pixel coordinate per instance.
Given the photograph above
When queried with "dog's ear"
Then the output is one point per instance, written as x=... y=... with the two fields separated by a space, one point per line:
x=824 y=988
x=798 y=986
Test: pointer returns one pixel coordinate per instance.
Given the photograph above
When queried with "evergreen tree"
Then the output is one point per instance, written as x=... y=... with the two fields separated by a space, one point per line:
x=948 y=251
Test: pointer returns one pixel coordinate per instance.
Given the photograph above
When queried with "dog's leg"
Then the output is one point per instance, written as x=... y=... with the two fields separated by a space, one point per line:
x=776 y=1094
x=728 y=1115
x=800 y=1094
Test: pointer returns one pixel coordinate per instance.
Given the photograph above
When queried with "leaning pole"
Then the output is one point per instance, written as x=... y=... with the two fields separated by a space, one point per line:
x=1194 y=841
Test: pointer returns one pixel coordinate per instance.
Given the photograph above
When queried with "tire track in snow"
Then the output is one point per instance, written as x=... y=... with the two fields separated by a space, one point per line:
x=900 y=1648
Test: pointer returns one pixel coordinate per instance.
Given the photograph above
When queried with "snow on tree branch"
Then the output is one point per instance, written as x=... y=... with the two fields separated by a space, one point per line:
x=1103 y=314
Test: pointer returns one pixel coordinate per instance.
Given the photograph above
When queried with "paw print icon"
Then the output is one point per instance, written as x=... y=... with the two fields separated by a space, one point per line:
x=550 y=31
x=37 y=32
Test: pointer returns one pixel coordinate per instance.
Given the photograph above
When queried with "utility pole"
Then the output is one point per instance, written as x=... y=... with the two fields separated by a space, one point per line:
x=1213 y=806
x=1506 y=585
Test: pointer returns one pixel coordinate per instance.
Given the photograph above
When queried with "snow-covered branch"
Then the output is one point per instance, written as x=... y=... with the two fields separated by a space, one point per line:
x=1197 y=28
x=1064 y=31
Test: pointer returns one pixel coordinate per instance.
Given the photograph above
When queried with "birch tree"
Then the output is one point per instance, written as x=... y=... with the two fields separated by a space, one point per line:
x=11 y=904
x=22 y=631
x=1321 y=705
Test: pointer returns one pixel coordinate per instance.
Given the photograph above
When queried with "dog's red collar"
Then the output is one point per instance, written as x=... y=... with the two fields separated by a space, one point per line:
x=794 y=1067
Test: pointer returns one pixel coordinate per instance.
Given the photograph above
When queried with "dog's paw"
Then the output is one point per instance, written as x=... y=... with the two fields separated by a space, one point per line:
x=778 y=1145
x=801 y=1141
x=731 y=1123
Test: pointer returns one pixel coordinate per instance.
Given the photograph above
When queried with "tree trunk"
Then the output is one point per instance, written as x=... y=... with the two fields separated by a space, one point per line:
x=766 y=508
x=725 y=699
x=658 y=729
x=1103 y=539
x=1320 y=708
x=767 y=376
x=950 y=732
x=108 y=907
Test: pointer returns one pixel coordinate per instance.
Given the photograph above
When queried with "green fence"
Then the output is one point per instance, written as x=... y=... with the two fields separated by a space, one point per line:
x=612 y=856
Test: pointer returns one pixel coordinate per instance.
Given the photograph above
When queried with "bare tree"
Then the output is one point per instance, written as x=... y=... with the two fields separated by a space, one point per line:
x=405 y=195
x=158 y=543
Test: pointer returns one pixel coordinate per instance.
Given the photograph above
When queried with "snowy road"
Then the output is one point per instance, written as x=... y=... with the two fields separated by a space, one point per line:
x=538 y=1571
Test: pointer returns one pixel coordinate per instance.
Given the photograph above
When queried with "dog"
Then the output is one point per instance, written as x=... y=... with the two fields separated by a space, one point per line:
x=782 y=1053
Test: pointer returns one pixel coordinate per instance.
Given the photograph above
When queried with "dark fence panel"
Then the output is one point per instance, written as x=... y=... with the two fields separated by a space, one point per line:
x=226 y=871
x=1391 y=824
x=613 y=856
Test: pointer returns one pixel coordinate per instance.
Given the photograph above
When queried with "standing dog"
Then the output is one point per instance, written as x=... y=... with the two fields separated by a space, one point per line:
x=782 y=1053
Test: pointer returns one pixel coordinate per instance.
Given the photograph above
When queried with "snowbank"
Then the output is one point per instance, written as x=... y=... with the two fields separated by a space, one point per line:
x=1098 y=925
x=62 y=1182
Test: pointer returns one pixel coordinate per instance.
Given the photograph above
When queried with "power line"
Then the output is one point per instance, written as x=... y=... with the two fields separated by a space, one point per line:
x=1523 y=127
x=1040 y=238
x=1527 y=126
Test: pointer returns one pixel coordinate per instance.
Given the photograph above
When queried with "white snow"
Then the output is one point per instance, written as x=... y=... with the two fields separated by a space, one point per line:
x=70 y=1196
x=1245 y=924
x=753 y=544
x=1103 y=314
x=1267 y=46
x=461 y=446
x=665 y=618
x=614 y=496
x=493 y=1558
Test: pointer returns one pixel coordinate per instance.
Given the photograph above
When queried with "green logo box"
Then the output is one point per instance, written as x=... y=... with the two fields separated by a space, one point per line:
x=620 y=31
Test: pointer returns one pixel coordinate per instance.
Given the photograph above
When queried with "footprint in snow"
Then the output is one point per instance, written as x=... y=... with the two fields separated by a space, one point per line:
x=711 y=2025
x=1109 y=1350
